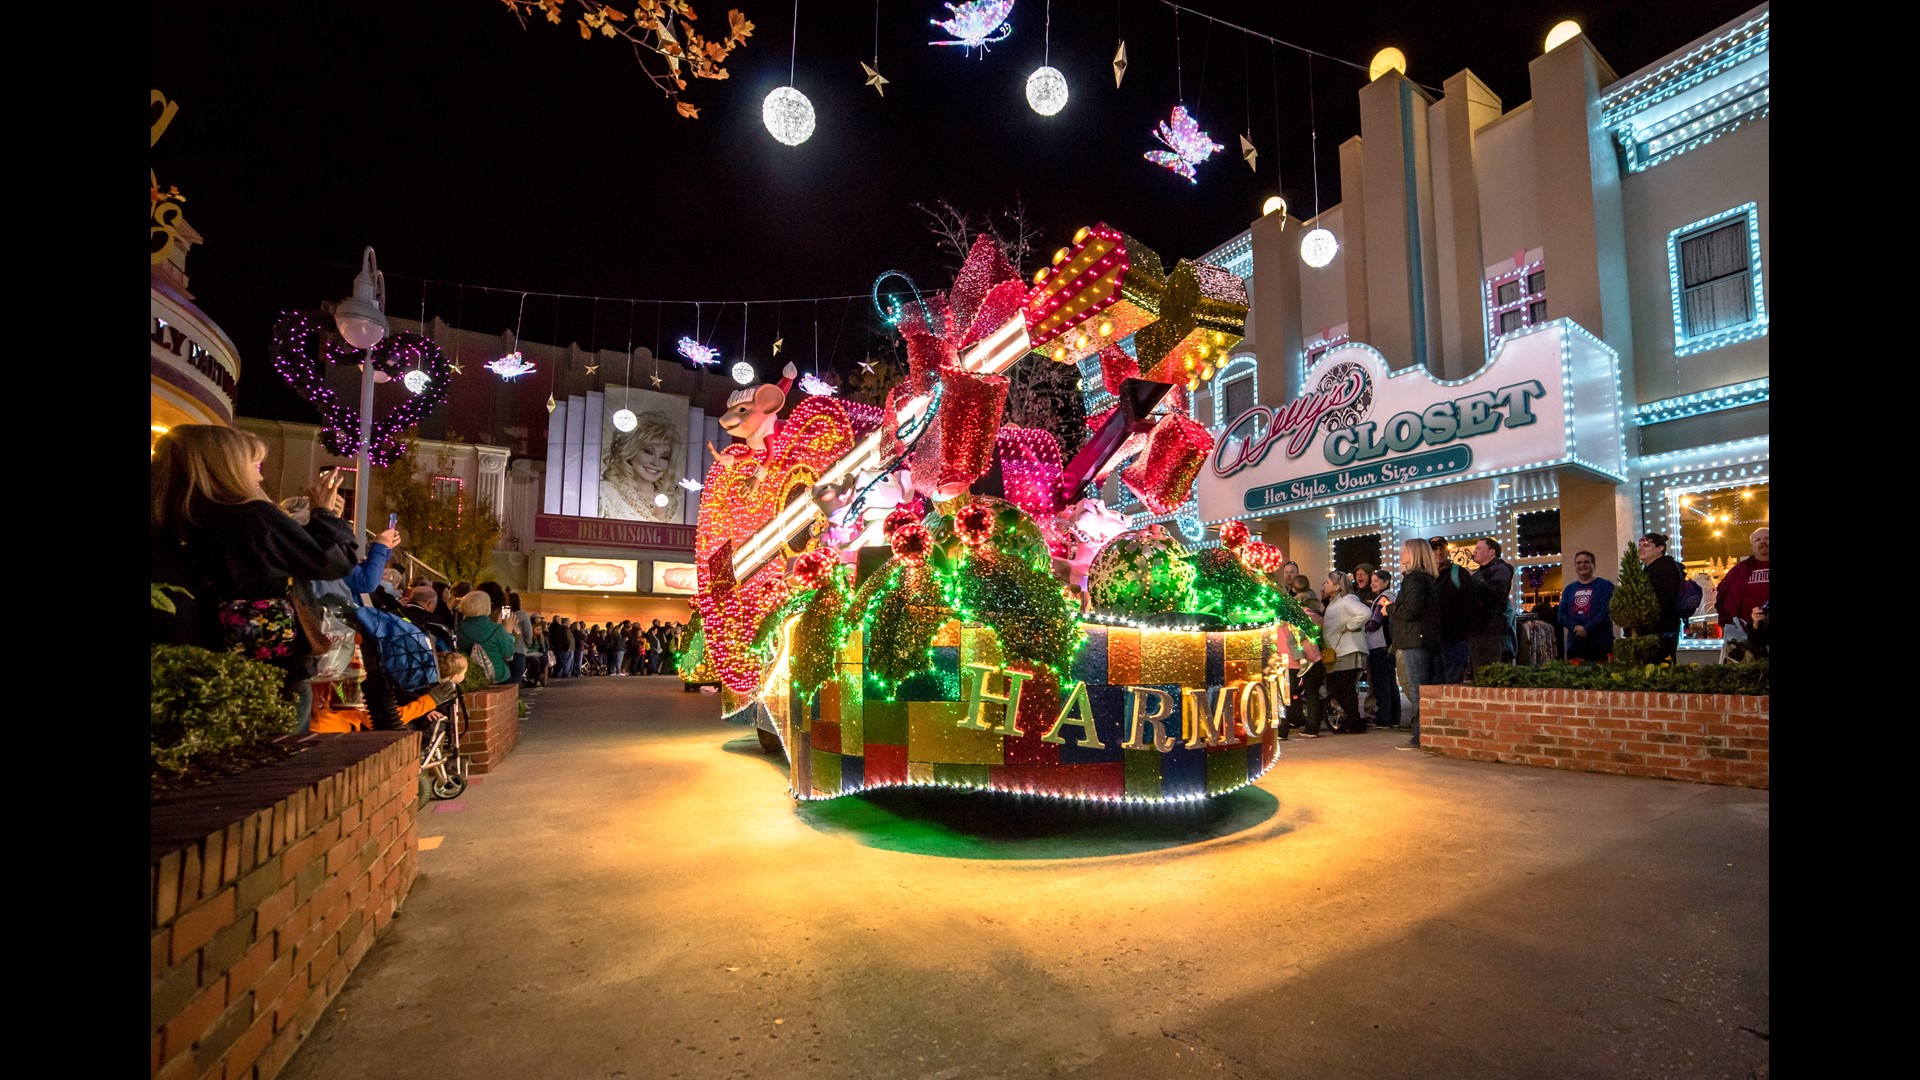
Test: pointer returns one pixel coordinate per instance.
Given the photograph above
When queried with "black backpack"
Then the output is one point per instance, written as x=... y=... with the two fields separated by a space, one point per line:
x=1691 y=596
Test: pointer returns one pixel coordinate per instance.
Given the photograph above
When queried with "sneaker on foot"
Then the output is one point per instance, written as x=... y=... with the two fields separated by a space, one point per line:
x=1408 y=746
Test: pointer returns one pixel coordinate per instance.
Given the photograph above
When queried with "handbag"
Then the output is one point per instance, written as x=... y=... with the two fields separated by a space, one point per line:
x=260 y=629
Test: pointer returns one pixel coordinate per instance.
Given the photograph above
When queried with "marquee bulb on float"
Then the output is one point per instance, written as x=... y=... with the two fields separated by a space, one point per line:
x=1047 y=91
x=625 y=420
x=788 y=116
x=743 y=373
x=1317 y=248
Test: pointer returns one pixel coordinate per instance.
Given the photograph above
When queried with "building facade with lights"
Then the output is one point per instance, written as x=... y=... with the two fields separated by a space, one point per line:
x=1545 y=323
x=193 y=368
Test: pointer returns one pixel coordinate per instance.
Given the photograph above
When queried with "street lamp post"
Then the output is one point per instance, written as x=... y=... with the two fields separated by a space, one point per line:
x=362 y=321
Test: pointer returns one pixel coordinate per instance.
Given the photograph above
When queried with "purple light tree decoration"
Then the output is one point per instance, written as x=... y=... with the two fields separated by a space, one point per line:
x=974 y=23
x=302 y=346
x=1189 y=144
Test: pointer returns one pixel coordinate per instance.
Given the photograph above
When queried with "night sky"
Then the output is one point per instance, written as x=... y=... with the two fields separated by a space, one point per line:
x=469 y=151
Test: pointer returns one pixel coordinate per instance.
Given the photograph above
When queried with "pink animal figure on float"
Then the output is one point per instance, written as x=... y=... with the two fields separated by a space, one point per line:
x=1084 y=528
x=753 y=413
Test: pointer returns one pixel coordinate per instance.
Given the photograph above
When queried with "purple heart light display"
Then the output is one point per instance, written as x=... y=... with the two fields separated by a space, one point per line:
x=301 y=348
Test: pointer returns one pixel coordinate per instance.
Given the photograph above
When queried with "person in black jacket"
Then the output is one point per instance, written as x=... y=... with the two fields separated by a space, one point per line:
x=1491 y=631
x=1414 y=619
x=1666 y=577
x=1453 y=589
x=215 y=533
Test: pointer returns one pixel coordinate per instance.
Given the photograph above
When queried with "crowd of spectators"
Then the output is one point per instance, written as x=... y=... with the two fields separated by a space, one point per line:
x=247 y=575
x=1446 y=621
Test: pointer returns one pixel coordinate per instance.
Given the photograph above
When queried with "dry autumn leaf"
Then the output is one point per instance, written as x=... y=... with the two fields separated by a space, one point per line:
x=741 y=27
x=686 y=110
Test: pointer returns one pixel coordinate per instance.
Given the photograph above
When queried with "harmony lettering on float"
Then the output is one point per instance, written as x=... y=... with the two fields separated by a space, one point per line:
x=1202 y=716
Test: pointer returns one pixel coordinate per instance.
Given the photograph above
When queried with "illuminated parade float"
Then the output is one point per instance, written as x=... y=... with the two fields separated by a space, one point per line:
x=917 y=594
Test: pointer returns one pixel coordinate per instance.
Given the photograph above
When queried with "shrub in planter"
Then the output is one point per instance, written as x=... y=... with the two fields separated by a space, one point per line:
x=206 y=702
x=1749 y=678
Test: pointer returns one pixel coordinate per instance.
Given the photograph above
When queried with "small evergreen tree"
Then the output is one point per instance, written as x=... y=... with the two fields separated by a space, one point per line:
x=1634 y=610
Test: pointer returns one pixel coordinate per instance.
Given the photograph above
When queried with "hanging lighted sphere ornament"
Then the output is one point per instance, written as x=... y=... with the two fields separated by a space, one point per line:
x=1047 y=91
x=661 y=499
x=743 y=373
x=416 y=381
x=1318 y=247
x=788 y=116
x=625 y=420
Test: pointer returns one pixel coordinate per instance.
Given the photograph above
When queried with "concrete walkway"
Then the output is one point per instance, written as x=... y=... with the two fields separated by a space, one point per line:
x=633 y=895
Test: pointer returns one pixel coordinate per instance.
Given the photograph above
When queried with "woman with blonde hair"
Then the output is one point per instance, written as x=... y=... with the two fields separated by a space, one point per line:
x=478 y=627
x=1345 y=636
x=215 y=533
x=640 y=478
x=1414 y=620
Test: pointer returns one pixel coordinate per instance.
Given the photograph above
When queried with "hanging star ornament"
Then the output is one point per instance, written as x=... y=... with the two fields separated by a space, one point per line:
x=1189 y=145
x=455 y=368
x=1249 y=153
x=1119 y=64
x=777 y=342
x=655 y=378
x=875 y=79
x=593 y=369
x=551 y=404
x=974 y=23
x=866 y=366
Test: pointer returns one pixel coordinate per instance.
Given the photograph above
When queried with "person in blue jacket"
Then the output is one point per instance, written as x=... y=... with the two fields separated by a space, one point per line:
x=1584 y=612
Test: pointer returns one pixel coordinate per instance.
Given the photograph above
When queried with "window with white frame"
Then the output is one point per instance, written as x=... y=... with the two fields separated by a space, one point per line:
x=1516 y=299
x=1713 y=268
x=451 y=489
x=1236 y=389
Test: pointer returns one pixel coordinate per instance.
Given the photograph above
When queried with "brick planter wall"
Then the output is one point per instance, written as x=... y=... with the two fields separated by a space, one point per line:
x=493 y=727
x=268 y=888
x=1703 y=738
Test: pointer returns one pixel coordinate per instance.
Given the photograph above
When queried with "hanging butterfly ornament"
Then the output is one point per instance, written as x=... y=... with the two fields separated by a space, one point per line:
x=510 y=366
x=1189 y=145
x=974 y=24
x=815 y=385
x=697 y=353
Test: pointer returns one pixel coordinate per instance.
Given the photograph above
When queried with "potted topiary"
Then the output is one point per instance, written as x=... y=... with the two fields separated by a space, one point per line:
x=1634 y=609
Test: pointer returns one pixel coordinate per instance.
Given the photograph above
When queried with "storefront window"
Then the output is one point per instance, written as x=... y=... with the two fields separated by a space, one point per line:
x=1715 y=525
x=1354 y=550
x=1539 y=533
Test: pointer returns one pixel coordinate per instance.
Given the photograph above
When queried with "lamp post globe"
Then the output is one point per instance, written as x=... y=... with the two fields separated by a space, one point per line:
x=361 y=318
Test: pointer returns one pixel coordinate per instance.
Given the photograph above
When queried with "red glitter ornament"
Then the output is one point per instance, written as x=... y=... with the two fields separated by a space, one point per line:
x=1164 y=475
x=1117 y=367
x=1262 y=556
x=896 y=519
x=974 y=523
x=910 y=541
x=958 y=446
x=812 y=568
x=1234 y=535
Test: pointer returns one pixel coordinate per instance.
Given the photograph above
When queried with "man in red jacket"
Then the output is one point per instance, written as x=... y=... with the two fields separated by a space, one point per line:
x=1745 y=587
